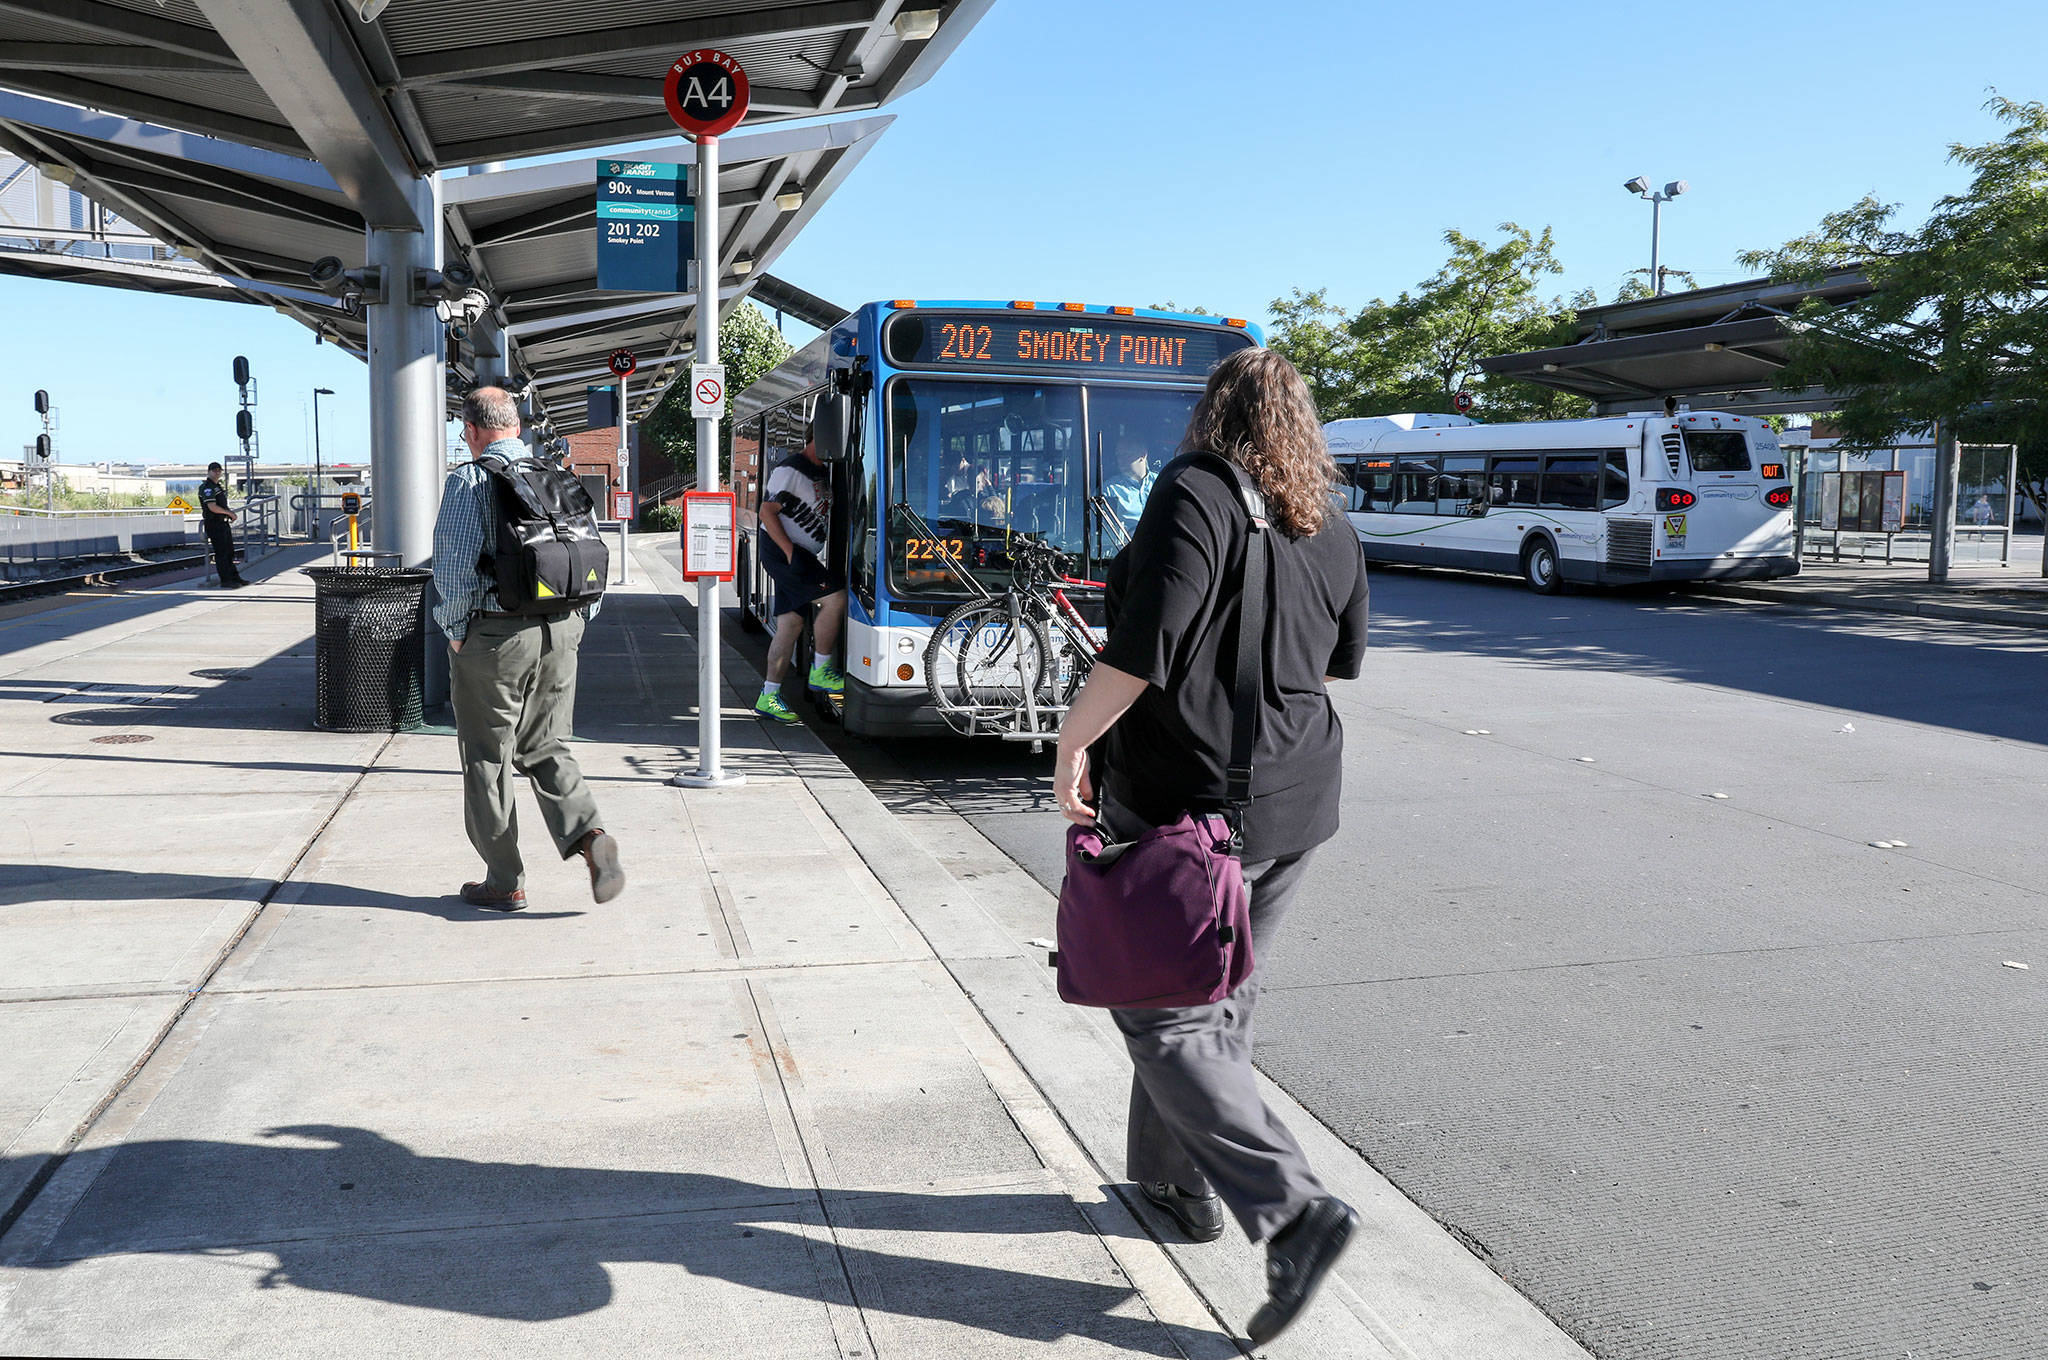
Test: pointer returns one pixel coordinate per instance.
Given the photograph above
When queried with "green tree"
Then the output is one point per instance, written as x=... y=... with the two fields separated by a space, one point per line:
x=1955 y=334
x=748 y=346
x=1418 y=351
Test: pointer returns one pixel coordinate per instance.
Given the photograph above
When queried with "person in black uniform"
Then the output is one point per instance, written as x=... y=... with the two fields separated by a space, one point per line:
x=219 y=521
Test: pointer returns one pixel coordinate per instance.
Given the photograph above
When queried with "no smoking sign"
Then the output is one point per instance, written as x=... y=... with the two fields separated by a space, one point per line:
x=707 y=391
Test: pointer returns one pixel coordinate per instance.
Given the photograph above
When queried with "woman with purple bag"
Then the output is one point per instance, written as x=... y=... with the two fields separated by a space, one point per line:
x=1187 y=738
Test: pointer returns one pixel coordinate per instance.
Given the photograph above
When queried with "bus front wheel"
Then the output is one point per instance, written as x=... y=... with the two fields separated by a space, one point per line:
x=1539 y=566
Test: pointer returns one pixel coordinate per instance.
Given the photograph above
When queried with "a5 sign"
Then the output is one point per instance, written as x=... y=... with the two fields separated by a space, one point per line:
x=706 y=92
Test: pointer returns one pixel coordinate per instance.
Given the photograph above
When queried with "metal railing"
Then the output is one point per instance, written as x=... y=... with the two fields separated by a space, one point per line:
x=31 y=537
x=260 y=525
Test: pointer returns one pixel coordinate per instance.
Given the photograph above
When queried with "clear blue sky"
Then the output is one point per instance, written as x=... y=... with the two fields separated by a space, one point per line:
x=1218 y=154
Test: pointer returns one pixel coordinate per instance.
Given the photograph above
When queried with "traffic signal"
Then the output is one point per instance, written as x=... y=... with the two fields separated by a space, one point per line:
x=42 y=402
x=42 y=448
x=245 y=425
x=241 y=371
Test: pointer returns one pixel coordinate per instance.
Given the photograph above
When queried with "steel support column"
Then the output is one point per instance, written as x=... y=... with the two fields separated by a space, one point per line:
x=408 y=404
x=1941 y=550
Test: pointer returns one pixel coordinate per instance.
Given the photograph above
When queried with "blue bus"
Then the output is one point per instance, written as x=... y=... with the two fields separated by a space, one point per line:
x=950 y=429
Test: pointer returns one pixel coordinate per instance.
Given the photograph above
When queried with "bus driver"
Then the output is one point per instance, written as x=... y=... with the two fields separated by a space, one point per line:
x=796 y=513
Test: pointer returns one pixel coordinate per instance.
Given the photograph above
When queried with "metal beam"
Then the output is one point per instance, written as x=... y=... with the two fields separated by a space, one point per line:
x=223 y=190
x=102 y=59
x=546 y=221
x=144 y=29
x=563 y=176
x=114 y=98
x=530 y=54
x=164 y=143
x=307 y=61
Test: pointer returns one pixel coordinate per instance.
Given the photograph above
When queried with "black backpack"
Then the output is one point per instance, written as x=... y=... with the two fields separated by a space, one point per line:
x=549 y=558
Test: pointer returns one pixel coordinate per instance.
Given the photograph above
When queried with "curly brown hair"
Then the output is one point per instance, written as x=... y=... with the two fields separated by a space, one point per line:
x=1257 y=412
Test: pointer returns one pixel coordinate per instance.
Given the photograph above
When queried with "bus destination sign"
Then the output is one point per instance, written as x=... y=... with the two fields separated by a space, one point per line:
x=1064 y=341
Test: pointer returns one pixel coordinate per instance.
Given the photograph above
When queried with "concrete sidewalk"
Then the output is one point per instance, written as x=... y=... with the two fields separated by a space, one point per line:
x=2015 y=597
x=267 y=1086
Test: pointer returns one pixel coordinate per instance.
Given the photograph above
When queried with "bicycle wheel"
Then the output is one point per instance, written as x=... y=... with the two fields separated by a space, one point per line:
x=980 y=665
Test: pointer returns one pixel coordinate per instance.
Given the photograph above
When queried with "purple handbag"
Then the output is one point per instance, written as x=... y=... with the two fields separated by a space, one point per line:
x=1162 y=918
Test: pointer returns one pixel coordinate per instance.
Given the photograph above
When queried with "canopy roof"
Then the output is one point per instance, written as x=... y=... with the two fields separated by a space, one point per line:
x=1720 y=347
x=255 y=136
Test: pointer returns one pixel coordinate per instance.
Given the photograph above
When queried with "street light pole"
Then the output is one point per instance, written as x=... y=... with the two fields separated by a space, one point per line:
x=1640 y=187
x=318 y=525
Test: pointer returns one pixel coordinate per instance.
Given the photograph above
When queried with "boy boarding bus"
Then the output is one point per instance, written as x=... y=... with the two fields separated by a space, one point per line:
x=950 y=431
x=1690 y=496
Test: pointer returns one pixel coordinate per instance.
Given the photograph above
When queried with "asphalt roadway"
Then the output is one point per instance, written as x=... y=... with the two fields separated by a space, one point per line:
x=1609 y=972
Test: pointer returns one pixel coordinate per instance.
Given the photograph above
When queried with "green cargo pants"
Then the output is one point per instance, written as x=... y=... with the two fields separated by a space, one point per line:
x=514 y=687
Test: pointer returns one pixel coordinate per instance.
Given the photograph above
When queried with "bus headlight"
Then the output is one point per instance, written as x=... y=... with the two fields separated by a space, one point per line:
x=906 y=645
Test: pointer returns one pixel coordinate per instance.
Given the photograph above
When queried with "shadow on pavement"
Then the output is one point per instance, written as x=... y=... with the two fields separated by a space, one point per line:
x=21 y=884
x=349 y=1211
x=1968 y=677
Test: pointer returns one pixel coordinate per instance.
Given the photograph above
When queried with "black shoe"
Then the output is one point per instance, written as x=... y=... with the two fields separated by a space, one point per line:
x=1199 y=1216
x=1297 y=1259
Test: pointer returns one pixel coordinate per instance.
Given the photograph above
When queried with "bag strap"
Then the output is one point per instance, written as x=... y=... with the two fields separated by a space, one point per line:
x=1251 y=633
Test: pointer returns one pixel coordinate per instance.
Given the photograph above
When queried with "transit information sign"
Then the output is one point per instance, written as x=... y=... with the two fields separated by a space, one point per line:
x=706 y=92
x=1065 y=341
x=708 y=522
x=646 y=227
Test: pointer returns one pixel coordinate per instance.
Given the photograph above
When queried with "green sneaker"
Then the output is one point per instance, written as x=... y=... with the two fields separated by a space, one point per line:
x=771 y=707
x=828 y=679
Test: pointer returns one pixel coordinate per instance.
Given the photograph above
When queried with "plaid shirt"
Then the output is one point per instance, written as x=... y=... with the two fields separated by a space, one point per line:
x=465 y=531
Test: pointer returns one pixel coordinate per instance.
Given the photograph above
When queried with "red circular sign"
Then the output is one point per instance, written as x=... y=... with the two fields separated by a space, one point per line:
x=710 y=391
x=1463 y=401
x=706 y=92
x=622 y=362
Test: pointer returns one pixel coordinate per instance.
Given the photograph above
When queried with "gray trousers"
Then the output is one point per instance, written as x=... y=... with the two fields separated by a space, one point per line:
x=514 y=688
x=1197 y=1119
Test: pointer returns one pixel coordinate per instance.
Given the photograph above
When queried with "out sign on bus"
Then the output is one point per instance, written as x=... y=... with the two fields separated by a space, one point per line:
x=706 y=92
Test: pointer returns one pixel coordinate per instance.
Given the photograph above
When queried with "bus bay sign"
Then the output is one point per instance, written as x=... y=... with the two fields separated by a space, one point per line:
x=646 y=227
x=706 y=92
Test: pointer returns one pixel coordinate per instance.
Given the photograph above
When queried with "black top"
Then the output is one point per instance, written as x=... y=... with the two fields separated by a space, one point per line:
x=212 y=493
x=1173 y=604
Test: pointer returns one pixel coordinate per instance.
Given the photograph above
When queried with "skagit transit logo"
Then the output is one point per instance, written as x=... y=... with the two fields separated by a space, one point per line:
x=630 y=168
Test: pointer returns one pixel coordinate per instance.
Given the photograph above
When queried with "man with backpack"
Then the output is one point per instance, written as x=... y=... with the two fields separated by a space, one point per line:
x=518 y=571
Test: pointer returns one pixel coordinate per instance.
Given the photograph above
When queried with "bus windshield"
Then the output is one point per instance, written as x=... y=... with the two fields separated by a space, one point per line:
x=972 y=465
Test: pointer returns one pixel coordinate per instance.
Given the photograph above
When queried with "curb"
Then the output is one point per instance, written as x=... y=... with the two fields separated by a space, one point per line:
x=2014 y=615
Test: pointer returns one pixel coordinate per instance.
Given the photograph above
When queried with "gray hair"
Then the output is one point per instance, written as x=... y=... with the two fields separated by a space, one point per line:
x=491 y=408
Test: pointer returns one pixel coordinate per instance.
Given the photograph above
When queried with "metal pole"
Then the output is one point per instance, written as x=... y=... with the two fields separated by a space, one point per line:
x=626 y=485
x=1656 y=241
x=1941 y=551
x=710 y=772
x=408 y=403
x=315 y=533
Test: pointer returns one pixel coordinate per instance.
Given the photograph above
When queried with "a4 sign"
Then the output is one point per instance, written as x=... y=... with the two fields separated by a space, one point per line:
x=706 y=92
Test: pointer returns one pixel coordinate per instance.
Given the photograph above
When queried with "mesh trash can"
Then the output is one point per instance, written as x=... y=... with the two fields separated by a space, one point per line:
x=369 y=648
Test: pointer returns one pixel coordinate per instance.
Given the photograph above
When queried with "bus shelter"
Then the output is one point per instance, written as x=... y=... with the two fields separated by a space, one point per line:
x=253 y=138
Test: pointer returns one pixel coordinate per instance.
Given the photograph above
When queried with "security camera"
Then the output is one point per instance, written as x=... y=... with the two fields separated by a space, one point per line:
x=442 y=285
x=331 y=277
x=1639 y=185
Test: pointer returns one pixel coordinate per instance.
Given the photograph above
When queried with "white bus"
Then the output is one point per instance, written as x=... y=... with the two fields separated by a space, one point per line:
x=1691 y=496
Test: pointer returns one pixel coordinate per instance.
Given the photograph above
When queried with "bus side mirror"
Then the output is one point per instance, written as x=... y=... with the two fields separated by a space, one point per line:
x=832 y=426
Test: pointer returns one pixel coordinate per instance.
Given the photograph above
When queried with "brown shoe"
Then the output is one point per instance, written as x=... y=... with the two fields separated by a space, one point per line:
x=490 y=899
x=607 y=879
